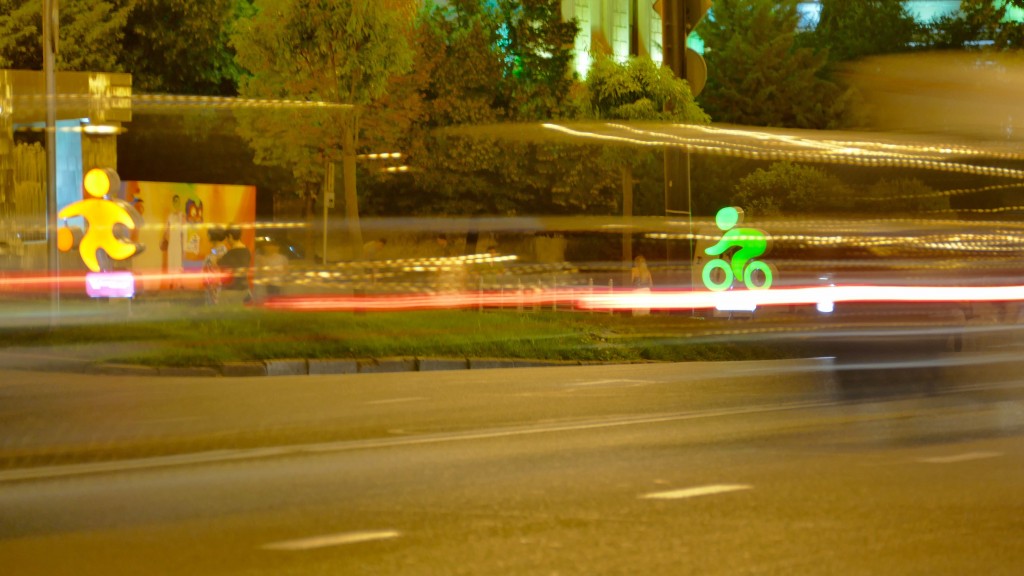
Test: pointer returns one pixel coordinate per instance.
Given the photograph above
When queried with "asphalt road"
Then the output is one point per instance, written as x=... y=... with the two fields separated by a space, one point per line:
x=736 y=468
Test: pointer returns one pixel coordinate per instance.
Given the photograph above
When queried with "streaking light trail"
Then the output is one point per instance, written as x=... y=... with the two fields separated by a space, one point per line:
x=585 y=299
x=794 y=147
x=77 y=281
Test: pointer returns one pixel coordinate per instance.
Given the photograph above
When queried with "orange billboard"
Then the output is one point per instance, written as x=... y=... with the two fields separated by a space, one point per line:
x=177 y=218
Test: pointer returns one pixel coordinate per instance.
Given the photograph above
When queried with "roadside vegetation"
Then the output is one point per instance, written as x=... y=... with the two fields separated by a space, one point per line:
x=192 y=337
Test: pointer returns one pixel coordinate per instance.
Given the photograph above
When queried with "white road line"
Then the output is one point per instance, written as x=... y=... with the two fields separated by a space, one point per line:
x=222 y=456
x=395 y=400
x=332 y=540
x=606 y=382
x=960 y=457
x=697 y=491
x=162 y=420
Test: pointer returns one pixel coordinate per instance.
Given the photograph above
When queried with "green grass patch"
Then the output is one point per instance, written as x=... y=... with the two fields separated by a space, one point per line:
x=187 y=335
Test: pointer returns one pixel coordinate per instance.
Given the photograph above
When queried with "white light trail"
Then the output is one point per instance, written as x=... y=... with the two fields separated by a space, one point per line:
x=698 y=491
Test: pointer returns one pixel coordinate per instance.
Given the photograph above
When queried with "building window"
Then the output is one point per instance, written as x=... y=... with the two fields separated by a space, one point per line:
x=581 y=10
x=620 y=30
x=655 y=48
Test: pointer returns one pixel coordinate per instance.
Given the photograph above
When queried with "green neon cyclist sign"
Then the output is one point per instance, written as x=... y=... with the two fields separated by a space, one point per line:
x=720 y=273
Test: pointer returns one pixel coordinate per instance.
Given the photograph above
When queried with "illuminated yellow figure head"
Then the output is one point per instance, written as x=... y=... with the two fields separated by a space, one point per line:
x=97 y=183
x=101 y=215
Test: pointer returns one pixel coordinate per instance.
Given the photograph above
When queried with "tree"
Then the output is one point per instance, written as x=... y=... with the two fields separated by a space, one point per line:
x=460 y=50
x=850 y=30
x=182 y=46
x=790 y=189
x=761 y=77
x=471 y=65
x=786 y=188
x=90 y=34
x=902 y=196
x=639 y=90
x=473 y=68
x=175 y=46
x=477 y=174
x=537 y=59
x=978 y=20
x=341 y=52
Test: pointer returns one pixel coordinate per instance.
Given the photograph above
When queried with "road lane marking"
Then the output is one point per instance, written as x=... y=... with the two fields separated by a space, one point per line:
x=234 y=455
x=165 y=420
x=332 y=540
x=613 y=381
x=395 y=400
x=960 y=457
x=697 y=491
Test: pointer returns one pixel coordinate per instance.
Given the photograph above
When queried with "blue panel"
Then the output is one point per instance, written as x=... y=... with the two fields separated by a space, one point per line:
x=925 y=11
x=69 y=162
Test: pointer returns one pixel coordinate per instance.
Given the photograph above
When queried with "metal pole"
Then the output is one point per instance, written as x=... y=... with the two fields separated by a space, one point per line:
x=677 y=162
x=328 y=193
x=349 y=184
x=691 y=249
x=50 y=32
x=627 y=215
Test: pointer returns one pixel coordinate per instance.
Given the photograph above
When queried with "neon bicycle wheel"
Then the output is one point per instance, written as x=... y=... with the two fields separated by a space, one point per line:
x=709 y=269
x=748 y=275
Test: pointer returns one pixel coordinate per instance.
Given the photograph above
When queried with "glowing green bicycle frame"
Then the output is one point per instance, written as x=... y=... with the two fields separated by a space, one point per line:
x=751 y=242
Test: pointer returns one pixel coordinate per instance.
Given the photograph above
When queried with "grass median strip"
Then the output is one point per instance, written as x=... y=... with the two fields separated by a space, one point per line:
x=197 y=336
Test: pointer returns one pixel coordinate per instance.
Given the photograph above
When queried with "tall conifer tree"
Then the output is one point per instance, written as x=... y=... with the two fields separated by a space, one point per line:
x=760 y=76
x=851 y=30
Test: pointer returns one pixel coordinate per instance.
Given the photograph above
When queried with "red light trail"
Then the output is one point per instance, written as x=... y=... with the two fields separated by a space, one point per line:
x=586 y=299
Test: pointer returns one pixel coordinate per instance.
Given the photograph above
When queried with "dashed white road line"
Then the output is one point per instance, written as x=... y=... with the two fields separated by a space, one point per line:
x=960 y=457
x=696 y=491
x=395 y=400
x=612 y=381
x=332 y=540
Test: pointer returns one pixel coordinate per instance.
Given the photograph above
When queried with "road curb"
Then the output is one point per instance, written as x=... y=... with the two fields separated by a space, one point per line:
x=286 y=367
x=378 y=365
x=328 y=366
x=243 y=369
x=127 y=369
x=440 y=364
x=196 y=371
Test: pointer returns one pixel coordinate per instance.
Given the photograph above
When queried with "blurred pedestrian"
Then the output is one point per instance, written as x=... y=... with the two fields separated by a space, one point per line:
x=235 y=264
x=272 y=266
x=451 y=271
x=371 y=253
x=444 y=249
x=373 y=248
x=173 y=244
x=642 y=281
x=211 y=271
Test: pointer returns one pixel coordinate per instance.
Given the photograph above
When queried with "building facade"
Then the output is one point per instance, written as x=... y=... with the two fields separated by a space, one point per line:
x=92 y=108
x=624 y=28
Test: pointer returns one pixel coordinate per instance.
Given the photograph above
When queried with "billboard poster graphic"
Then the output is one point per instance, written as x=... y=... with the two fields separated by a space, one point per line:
x=178 y=216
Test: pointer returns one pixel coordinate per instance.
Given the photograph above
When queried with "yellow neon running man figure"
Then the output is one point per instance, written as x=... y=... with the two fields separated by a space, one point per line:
x=101 y=216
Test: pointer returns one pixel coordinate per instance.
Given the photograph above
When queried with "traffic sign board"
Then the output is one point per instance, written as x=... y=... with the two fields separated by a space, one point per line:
x=695 y=11
x=678 y=19
x=696 y=71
